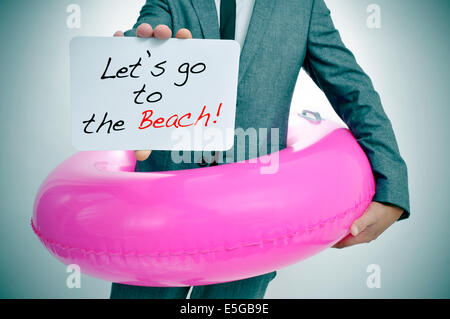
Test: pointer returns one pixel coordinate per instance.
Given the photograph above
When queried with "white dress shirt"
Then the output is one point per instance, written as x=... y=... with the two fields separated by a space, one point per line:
x=244 y=10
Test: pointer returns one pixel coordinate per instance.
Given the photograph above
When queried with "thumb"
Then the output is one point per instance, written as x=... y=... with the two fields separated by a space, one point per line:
x=361 y=223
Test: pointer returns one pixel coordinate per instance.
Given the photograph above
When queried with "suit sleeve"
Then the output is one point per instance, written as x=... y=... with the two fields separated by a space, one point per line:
x=351 y=93
x=154 y=12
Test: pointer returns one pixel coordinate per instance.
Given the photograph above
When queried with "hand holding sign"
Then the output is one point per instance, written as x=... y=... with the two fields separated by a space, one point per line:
x=161 y=32
x=147 y=94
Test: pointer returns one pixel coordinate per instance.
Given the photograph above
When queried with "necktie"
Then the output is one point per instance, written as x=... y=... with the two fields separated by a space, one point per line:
x=227 y=19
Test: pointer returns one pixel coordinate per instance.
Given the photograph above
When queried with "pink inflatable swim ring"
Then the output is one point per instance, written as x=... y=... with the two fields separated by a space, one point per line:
x=209 y=225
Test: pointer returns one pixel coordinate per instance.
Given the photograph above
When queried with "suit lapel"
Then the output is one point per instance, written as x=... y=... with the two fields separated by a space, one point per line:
x=259 y=22
x=207 y=15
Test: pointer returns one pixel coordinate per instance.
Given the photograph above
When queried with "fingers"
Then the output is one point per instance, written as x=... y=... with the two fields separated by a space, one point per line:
x=377 y=218
x=370 y=233
x=183 y=34
x=350 y=240
x=142 y=155
x=367 y=219
x=162 y=32
x=144 y=30
x=343 y=242
x=360 y=229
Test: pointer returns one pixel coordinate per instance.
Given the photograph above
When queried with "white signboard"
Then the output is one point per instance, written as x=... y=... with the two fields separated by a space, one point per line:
x=149 y=94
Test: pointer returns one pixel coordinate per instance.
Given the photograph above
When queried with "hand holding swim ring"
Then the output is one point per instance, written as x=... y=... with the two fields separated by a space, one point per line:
x=376 y=219
x=161 y=32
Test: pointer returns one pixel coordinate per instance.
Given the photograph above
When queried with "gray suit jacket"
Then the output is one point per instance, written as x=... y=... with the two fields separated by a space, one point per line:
x=284 y=36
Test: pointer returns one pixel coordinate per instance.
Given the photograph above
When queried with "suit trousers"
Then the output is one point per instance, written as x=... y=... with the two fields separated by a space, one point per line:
x=249 y=288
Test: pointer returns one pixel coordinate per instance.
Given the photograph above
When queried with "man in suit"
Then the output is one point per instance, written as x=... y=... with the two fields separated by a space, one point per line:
x=278 y=38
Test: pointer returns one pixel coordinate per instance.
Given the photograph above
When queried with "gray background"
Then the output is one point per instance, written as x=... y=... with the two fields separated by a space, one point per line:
x=407 y=59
